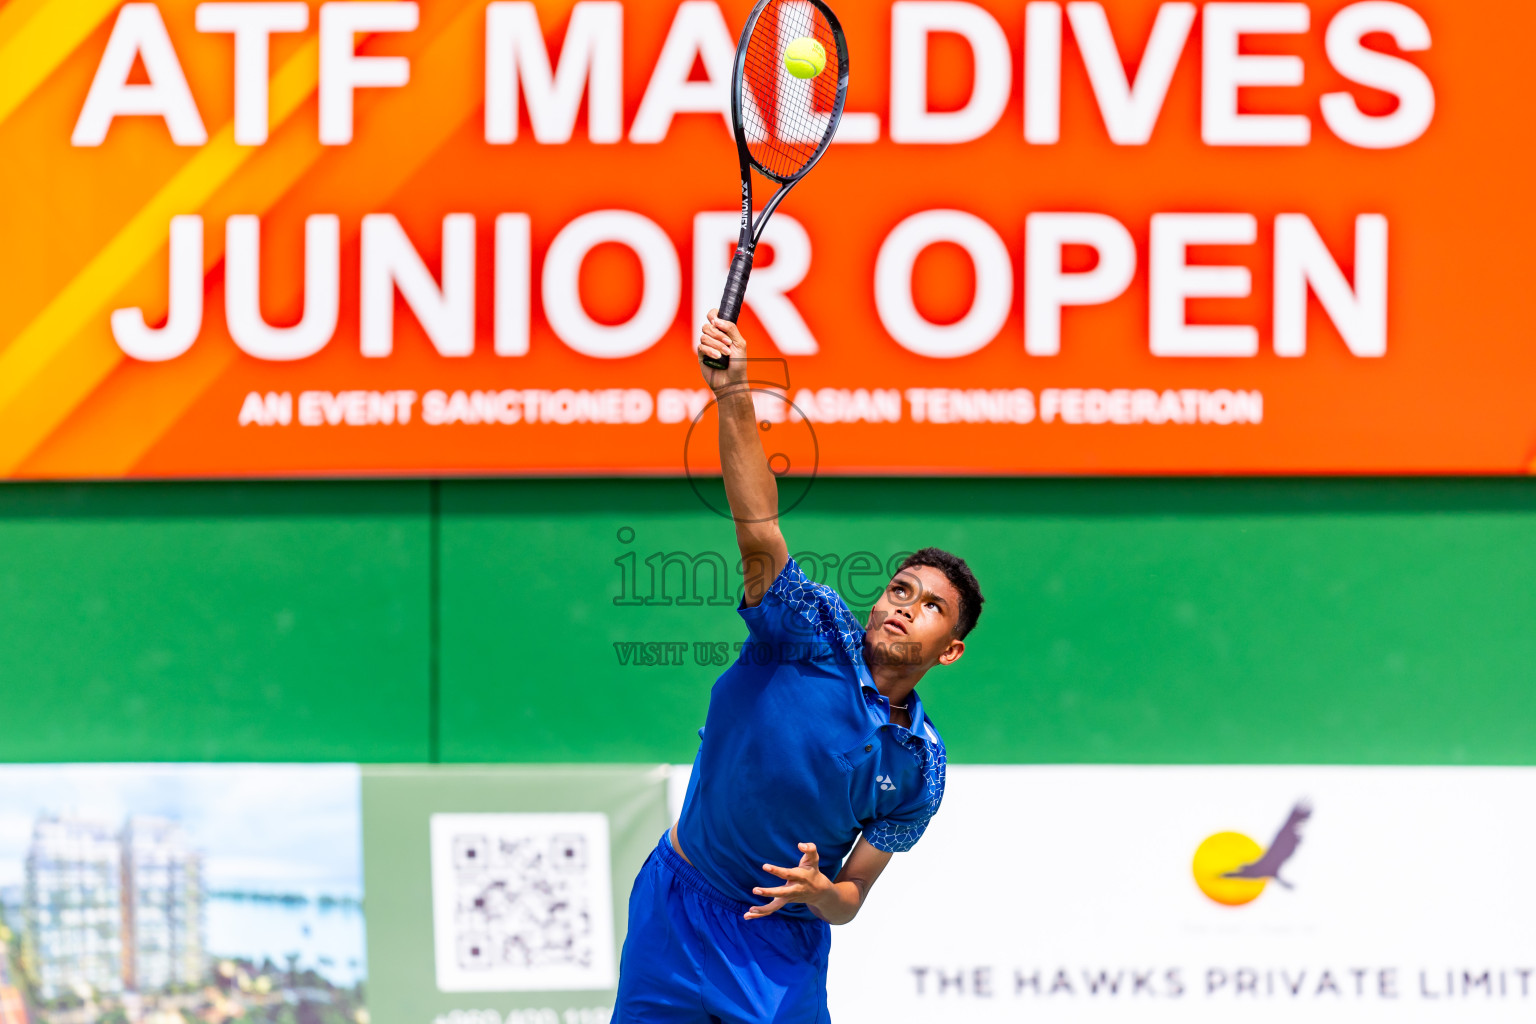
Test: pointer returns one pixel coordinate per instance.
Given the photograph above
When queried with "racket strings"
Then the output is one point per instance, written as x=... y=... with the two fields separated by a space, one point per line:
x=786 y=119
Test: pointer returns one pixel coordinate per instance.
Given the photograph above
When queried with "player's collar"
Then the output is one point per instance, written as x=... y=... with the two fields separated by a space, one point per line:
x=919 y=719
x=914 y=706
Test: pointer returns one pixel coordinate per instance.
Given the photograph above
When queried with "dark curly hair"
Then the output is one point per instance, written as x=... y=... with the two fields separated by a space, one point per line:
x=959 y=574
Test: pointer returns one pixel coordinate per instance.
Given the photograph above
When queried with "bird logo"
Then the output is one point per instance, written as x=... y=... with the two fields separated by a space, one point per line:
x=1232 y=869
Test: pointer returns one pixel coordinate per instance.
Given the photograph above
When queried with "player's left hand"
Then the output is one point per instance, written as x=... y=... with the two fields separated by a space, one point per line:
x=805 y=884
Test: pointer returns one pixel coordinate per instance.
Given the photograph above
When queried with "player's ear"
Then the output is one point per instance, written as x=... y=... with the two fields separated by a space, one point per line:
x=951 y=654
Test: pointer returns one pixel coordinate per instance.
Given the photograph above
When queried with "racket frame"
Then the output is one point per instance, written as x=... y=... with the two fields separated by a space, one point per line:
x=752 y=226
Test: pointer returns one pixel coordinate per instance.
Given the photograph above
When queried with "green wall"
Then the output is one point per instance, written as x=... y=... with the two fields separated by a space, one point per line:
x=1252 y=620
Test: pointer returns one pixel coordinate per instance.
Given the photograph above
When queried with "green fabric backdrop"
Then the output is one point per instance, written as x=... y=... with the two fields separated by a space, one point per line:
x=1262 y=620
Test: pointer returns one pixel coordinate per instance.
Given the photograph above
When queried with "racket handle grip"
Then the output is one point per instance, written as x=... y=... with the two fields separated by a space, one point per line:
x=731 y=299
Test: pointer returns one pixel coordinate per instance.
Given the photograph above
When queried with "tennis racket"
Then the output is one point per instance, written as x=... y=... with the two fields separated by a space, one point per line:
x=783 y=124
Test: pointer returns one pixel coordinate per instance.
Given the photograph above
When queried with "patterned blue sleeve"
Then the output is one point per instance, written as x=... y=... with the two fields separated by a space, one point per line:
x=899 y=832
x=798 y=614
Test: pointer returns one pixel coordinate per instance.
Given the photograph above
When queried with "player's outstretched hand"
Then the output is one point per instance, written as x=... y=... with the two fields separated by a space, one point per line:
x=722 y=338
x=805 y=884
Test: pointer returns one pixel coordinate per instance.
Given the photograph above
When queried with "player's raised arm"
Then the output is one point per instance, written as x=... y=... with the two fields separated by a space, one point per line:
x=750 y=486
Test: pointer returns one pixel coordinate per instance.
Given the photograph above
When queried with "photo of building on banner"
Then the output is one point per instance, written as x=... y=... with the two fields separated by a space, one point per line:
x=161 y=894
x=405 y=238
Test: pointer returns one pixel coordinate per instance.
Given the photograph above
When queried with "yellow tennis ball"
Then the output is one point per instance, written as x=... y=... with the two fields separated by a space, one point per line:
x=805 y=58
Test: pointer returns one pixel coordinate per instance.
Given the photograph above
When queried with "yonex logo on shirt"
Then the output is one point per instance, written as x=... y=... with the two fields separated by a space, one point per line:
x=886 y=783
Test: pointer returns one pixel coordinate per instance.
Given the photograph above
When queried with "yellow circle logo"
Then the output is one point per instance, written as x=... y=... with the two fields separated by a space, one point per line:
x=1220 y=855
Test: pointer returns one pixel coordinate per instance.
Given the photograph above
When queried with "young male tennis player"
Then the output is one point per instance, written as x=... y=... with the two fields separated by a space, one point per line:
x=816 y=753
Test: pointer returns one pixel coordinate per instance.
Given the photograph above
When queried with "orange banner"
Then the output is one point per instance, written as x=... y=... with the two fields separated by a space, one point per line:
x=466 y=237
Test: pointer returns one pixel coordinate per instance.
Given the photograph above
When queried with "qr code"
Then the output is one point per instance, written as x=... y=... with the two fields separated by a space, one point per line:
x=522 y=902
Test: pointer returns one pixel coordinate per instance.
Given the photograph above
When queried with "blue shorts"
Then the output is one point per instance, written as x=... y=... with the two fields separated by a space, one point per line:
x=690 y=958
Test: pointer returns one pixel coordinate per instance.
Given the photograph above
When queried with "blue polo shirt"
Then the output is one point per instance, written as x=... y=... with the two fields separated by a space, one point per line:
x=799 y=747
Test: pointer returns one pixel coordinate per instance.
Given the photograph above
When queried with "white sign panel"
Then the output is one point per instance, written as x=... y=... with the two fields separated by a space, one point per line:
x=521 y=902
x=1205 y=894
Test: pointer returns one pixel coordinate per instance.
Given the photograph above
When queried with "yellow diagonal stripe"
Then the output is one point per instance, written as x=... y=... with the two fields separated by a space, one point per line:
x=31 y=48
x=84 y=298
x=15 y=15
x=111 y=434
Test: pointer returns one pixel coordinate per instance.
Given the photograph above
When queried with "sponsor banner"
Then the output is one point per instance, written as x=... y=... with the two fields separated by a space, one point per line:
x=176 y=892
x=158 y=893
x=473 y=237
x=496 y=895
x=499 y=894
x=1204 y=894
